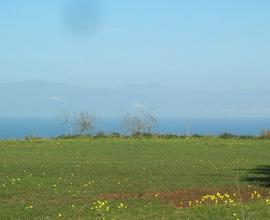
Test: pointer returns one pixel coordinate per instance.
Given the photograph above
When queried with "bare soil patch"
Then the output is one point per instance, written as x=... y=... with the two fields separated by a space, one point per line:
x=185 y=196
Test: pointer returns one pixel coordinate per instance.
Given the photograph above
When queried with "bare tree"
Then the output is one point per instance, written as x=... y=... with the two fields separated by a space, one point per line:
x=68 y=122
x=150 y=121
x=84 y=122
x=139 y=123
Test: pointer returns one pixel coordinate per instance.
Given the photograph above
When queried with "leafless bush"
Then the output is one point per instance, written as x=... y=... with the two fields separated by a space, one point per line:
x=68 y=122
x=265 y=134
x=81 y=123
x=84 y=122
x=139 y=123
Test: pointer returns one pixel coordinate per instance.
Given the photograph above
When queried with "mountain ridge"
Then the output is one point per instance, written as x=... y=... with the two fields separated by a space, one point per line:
x=42 y=98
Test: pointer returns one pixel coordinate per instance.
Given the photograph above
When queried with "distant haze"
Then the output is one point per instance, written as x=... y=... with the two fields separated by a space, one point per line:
x=45 y=99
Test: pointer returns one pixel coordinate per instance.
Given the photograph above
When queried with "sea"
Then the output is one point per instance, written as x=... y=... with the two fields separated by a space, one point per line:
x=18 y=128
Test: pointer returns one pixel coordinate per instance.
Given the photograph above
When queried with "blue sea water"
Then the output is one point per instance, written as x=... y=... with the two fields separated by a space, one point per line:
x=51 y=127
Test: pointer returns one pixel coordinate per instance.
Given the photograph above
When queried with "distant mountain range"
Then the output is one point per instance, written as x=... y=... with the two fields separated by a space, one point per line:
x=40 y=99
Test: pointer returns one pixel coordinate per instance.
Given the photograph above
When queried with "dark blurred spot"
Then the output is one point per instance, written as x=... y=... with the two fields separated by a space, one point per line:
x=259 y=175
x=82 y=17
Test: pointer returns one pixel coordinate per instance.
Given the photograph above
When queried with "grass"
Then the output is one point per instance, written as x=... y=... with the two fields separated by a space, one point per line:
x=62 y=178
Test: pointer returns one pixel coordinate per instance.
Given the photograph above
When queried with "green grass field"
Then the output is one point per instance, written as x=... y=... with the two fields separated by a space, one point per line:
x=151 y=178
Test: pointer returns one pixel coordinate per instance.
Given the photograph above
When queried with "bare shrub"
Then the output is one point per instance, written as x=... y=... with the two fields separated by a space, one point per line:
x=81 y=123
x=265 y=134
x=138 y=123
x=68 y=122
x=84 y=122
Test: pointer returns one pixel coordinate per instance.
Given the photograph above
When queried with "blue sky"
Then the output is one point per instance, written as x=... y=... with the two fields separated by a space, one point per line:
x=185 y=44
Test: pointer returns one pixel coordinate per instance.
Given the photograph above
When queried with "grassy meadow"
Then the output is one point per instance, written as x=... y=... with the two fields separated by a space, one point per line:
x=135 y=178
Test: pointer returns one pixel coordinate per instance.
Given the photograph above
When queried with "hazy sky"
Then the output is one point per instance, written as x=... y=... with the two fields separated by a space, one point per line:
x=107 y=43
